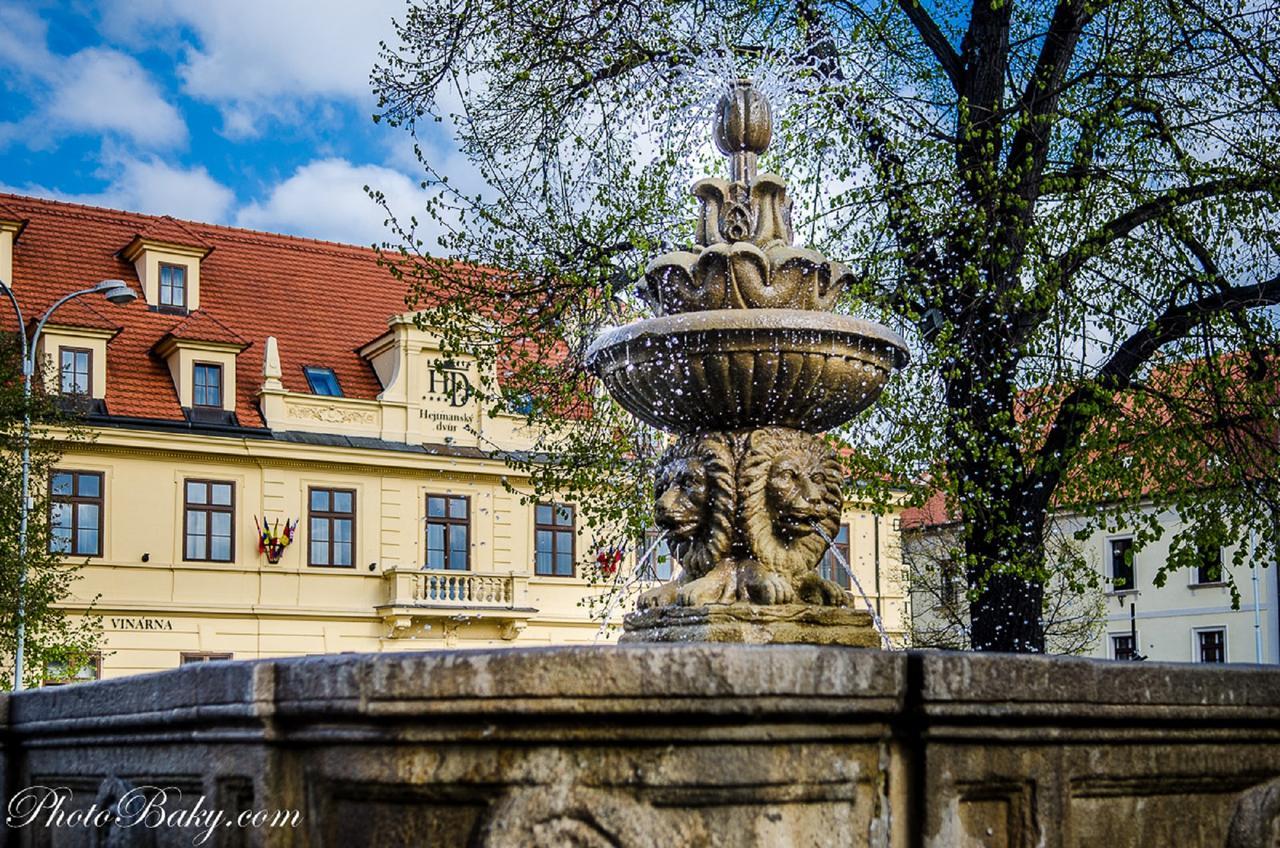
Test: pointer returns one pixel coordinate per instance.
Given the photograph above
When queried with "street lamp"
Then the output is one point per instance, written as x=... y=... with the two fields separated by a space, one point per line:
x=115 y=291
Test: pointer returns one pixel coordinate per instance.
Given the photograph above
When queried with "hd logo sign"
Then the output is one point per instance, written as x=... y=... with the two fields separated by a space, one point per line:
x=448 y=381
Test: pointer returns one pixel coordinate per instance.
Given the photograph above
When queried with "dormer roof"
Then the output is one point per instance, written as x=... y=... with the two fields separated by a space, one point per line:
x=12 y=220
x=166 y=233
x=200 y=326
x=80 y=314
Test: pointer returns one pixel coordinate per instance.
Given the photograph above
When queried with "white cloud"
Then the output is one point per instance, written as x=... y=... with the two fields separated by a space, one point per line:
x=326 y=199
x=105 y=90
x=23 y=38
x=154 y=187
x=257 y=60
x=93 y=90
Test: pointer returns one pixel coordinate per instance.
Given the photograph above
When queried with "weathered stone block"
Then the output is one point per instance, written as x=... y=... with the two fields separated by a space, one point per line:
x=781 y=624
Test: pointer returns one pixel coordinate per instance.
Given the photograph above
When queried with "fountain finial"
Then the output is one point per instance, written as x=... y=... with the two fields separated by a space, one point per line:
x=742 y=127
x=744 y=258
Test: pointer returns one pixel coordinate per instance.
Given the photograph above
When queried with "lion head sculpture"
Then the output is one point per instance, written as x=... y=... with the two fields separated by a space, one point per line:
x=694 y=501
x=789 y=483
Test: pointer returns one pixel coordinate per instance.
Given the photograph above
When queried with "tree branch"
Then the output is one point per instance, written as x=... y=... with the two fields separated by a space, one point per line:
x=933 y=38
x=920 y=259
x=1081 y=408
x=1039 y=100
x=1213 y=274
x=1071 y=261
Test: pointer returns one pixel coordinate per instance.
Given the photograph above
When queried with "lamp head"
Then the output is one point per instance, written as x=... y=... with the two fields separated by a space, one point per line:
x=116 y=291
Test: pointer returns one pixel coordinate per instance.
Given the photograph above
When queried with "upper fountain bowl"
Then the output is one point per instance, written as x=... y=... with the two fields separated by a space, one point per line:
x=724 y=369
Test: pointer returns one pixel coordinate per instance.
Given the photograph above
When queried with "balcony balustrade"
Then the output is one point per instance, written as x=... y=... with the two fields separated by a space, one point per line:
x=414 y=596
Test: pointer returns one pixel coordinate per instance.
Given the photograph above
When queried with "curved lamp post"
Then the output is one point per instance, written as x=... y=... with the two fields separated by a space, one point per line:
x=116 y=291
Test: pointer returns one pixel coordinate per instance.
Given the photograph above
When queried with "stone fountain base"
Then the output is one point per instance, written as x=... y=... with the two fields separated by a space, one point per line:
x=656 y=746
x=780 y=624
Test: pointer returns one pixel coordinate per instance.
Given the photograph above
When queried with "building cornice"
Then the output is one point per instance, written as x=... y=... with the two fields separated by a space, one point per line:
x=265 y=449
x=82 y=332
x=131 y=250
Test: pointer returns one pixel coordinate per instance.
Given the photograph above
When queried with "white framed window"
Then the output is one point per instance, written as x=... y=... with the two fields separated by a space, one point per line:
x=1209 y=572
x=1122 y=564
x=1209 y=644
x=1124 y=646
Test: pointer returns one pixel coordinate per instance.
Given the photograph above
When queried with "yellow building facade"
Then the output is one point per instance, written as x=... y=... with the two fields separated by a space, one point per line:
x=210 y=419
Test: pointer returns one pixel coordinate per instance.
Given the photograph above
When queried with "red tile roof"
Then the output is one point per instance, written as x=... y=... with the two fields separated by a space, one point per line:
x=80 y=313
x=321 y=300
x=932 y=513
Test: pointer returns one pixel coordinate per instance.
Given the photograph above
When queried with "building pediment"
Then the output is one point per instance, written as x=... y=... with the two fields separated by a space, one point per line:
x=429 y=396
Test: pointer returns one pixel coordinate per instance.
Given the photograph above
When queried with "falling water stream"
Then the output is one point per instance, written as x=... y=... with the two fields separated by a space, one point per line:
x=875 y=617
x=619 y=591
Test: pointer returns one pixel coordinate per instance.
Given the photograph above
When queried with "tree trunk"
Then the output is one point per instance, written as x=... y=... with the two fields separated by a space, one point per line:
x=1004 y=548
x=1003 y=521
x=1007 y=613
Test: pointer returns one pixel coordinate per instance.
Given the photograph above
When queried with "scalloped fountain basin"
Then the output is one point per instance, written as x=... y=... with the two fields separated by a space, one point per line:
x=724 y=369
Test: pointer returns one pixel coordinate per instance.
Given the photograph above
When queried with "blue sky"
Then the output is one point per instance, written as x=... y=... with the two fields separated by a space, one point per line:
x=254 y=114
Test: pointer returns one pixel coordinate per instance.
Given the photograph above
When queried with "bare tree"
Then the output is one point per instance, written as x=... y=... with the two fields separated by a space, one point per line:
x=1074 y=611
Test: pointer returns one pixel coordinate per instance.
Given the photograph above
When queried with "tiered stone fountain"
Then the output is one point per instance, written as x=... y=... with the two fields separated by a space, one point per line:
x=748 y=365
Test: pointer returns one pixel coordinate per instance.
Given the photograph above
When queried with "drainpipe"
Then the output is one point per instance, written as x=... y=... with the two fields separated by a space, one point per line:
x=1257 y=601
x=876 y=538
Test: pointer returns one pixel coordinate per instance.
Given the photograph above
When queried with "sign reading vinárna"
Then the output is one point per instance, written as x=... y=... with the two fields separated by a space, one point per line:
x=139 y=623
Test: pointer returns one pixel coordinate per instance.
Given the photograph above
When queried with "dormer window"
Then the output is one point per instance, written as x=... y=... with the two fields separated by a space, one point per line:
x=166 y=256
x=74 y=363
x=323 y=381
x=75 y=367
x=173 y=286
x=206 y=385
x=201 y=354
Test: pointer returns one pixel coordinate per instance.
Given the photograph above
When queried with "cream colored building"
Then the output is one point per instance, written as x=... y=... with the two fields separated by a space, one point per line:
x=1190 y=618
x=269 y=379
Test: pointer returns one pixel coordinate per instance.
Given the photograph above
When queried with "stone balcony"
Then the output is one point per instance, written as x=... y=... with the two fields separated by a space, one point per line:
x=415 y=597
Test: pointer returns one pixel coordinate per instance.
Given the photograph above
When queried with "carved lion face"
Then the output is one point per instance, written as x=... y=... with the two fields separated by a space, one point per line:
x=797 y=492
x=694 y=501
x=790 y=482
x=681 y=496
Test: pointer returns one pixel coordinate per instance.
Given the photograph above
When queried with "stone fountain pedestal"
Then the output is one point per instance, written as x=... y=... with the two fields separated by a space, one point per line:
x=751 y=624
x=747 y=363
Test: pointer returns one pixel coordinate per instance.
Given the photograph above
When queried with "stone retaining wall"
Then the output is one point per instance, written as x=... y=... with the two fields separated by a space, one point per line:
x=665 y=746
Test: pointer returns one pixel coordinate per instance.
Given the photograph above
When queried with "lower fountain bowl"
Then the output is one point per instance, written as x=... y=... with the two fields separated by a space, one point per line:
x=724 y=369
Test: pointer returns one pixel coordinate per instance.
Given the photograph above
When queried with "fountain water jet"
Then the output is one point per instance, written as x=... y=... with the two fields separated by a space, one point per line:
x=746 y=363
